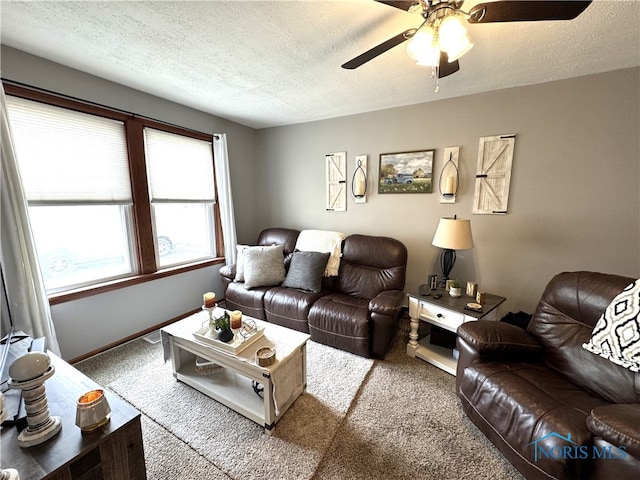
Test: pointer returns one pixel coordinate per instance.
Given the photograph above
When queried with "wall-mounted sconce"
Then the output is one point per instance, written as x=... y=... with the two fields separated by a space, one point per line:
x=449 y=177
x=359 y=180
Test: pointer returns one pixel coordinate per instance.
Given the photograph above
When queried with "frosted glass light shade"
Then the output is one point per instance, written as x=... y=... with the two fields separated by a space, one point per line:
x=453 y=234
x=462 y=48
x=453 y=38
x=422 y=48
x=450 y=31
x=430 y=57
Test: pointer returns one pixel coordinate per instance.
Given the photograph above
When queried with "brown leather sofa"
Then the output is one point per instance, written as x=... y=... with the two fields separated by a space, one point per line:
x=356 y=311
x=554 y=409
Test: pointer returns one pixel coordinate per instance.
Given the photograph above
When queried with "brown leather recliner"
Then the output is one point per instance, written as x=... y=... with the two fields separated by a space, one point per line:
x=356 y=311
x=554 y=409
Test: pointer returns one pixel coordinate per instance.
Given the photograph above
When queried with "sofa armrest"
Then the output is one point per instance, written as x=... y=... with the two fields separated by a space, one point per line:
x=228 y=272
x=499 y=339
x=618 y=425
x=388 y=302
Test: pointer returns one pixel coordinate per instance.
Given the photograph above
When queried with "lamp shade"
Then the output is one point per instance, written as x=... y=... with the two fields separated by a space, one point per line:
x=453 y=234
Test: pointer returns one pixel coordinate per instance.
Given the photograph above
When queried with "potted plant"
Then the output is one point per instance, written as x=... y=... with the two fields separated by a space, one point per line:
x=222 y=325
x=455 y=290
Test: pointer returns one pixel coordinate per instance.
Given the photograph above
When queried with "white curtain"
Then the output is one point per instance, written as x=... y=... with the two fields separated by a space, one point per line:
x=223 y=181
x=28 y=303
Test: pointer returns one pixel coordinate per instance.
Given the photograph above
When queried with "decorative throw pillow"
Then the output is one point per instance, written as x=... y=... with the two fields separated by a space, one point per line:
x=306 y=271
x=263 y=266
x=616 y=336
x=240 y=263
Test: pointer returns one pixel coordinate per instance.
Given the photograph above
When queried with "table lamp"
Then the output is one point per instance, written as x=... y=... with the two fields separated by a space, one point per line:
x=452 y=234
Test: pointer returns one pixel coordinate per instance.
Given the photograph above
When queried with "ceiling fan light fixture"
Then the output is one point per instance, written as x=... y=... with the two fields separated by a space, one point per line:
x=453 y=37
x=461 y=48
x=422 y=47
x=429 y=57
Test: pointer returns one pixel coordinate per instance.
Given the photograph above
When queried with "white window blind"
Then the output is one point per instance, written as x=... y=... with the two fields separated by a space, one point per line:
x=179 y=168
x=67 y=156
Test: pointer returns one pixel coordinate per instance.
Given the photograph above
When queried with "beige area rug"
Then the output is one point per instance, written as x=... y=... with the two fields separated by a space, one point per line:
x=397 y=420
x=407 y=423
x=237 y=446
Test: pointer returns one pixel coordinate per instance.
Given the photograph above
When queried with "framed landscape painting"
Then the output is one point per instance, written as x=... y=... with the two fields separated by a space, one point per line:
x=406 y=172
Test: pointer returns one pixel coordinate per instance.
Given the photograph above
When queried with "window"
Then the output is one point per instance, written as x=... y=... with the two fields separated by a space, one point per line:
x=181 y=186
x=75 y=173
x=112 y=196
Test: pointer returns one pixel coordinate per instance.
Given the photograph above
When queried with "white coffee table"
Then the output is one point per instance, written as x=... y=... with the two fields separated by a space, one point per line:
x=283 y=381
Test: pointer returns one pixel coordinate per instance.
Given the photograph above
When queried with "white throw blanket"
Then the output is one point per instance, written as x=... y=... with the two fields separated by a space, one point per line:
x=616 y=336
x=323 y=241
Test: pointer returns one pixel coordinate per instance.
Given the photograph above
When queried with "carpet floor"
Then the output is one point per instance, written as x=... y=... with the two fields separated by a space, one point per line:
x=398 y=418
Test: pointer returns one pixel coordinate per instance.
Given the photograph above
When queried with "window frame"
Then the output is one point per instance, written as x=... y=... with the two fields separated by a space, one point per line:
x=142 y=228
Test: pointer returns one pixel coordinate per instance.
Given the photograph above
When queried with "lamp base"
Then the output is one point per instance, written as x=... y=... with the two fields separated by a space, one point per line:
x=447 y=260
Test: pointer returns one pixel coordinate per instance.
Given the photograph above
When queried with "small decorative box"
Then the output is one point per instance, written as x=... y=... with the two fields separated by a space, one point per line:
x=265 y=356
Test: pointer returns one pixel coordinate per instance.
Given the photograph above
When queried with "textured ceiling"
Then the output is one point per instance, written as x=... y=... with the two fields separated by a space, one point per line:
x=267 y=63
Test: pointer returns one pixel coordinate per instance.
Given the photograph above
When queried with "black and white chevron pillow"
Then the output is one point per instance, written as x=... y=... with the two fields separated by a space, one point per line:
x=616 y=336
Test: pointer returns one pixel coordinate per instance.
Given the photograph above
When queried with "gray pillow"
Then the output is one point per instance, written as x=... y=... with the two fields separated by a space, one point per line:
x=306 y=271
x=263 y=266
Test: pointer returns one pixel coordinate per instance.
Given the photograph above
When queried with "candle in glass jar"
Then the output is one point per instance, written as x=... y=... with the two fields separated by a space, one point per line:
x=209 y=299
x=236 y=319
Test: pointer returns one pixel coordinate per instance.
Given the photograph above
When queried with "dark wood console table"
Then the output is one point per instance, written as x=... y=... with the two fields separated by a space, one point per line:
x=113 y=452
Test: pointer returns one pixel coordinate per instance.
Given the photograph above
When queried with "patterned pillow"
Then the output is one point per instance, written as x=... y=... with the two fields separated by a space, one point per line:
x=306 y=270
x=263 y=266
x=616 y=336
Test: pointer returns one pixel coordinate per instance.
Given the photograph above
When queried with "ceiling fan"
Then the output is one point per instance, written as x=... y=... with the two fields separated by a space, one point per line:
x=441 y=39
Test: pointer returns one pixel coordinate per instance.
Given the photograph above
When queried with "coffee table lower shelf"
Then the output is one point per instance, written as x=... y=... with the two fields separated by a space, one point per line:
x=227 y=387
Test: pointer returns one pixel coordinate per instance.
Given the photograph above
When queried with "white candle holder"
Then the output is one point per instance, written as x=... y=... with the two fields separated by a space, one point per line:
x=9 y=474
x=28 y=373
x=210 y=311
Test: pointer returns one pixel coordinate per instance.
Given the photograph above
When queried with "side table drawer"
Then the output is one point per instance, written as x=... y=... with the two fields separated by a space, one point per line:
x=441 y=317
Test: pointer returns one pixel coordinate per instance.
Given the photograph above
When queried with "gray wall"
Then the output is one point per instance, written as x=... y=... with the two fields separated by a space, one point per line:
x=574 y=197
x=574 y=201
x=88 y=324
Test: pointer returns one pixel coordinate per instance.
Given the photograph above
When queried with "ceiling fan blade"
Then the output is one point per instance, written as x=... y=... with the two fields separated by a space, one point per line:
x=526 y=11
x=401 y=4
x=379 y=49
x=445 y=68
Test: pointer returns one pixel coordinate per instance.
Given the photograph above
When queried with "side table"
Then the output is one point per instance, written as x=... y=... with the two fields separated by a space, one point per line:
x=445 y=312
x=113 y=452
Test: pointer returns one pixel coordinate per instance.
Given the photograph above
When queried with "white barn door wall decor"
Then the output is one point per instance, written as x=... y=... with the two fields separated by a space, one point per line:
x=336 y=181
x=493 y=174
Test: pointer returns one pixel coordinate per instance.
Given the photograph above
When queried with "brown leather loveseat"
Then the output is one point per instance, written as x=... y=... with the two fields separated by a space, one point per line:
x=356 y=311
x=554 y=409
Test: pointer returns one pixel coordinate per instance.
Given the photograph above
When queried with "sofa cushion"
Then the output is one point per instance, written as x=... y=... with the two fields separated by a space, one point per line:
x=306 y=271
x=249 y=302
x=279 y=236
x=289 y=307
x=341 y=321
x=522 y=404
x=370 y=265
x=263 y=266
